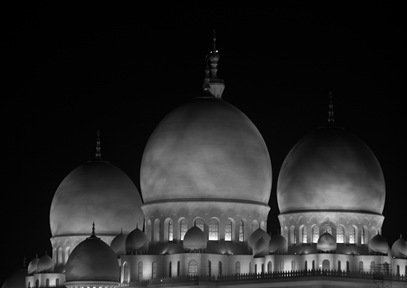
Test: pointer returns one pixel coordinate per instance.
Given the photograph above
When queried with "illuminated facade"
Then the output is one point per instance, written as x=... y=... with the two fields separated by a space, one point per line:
x=205 y=180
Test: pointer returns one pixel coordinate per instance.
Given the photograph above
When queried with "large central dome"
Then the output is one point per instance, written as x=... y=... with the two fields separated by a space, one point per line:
x=206 y=149
x=331 y=169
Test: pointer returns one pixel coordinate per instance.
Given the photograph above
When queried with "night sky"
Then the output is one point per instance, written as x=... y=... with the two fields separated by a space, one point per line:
x=71 y=69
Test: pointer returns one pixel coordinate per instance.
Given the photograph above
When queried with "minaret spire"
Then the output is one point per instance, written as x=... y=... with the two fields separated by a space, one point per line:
x=98 y=154
x=331 y=119
x=211 y=81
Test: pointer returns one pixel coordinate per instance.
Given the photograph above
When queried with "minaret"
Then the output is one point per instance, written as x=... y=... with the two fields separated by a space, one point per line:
x=98 y=154
x=211 y=82
x=331 y=119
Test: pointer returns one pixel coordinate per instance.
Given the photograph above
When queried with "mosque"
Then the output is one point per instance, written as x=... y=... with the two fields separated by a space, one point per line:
x=205 y=181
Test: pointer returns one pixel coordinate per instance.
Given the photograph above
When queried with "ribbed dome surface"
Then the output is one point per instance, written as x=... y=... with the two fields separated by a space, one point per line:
x=277 y=243
x=206 y=149
x=98 y=192
x=399 y=248
x=378 y=244
x=331 y=169
x=136 y=240
x=92 y=260
x=326 y=242
x=33 y=265
x=194 y=239
x=256 y=235
x=118 y=244
x=45 y=263
x=16 y=280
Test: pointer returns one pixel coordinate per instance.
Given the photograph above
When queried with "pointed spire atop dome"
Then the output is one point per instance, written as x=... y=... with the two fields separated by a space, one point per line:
x=98 y=154
x=212 y=83
x=93 y=235
x=331 y=119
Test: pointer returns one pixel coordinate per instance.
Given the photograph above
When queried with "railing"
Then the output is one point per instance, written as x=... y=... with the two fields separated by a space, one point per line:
x=277 y=275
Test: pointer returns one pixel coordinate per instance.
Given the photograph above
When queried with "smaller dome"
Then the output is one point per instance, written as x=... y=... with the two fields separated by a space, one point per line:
x=261 y=247
x=277 y=243
x=92 y=260
x=135 y=241
x=326 y=243
x=256 y=235
x=378 y=244
x=118 y=244
x=194 y=239
x=399 y=248
x=16 y=279
x=45 y=263
x=32 y=266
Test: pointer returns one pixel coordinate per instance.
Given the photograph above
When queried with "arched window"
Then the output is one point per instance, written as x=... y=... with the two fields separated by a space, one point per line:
x=315 y=234
x=57 y=282
x=213 y=229
x=193 y=267
x=269 y=267
x=339 y=265
x=37 y=283
x=293 y=265
x=47 y=282
x=328 y=229
x=170 y=230
x=228 y=230
x=140 y=271
x=313 y=264
x=157 y=230
x=125 y=273
x=237 y=268
x=148 y=229
x=154 y=270
x=220 y=268
x=325 y=264
x=250 y=267
x=200 y=223
x=363 y=236
x=183 y=228
x=170 y=269
x=209 y=268
x=398 y=270
x=347 y=266
x=29 y=284
x=304 y=234
x=352 y=235
x=60 y=256
x=360 y=266
x=178 y=268
x=255 y=268
x=241 y=231
x=306 y=265
x=372 y=267
x=340 y=234
x=292 y=235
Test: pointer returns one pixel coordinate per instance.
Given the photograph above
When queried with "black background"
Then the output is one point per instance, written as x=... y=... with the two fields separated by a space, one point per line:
x=72 y=68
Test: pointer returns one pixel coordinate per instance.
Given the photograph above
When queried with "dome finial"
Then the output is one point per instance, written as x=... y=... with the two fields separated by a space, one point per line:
x=98 y=154
x=93 y=229
x=331 y=109
x=212 y=83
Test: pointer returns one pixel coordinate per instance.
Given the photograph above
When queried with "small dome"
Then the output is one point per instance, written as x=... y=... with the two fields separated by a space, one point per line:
x=98 y=192
x=326 y=243
x=16 y=279
x=331 y=169
x=277 y=243
x=135 y=241
x=118 y=244
x=378 y=244
x=256 y=235
x=33 y=265
x=92 y=260
x=399 y=248
x=194 y=239
x=261 y=247
x=45 y=263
